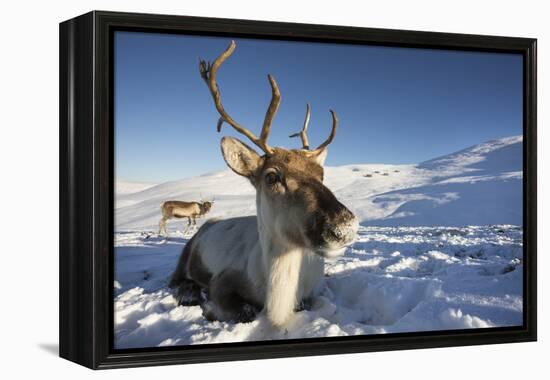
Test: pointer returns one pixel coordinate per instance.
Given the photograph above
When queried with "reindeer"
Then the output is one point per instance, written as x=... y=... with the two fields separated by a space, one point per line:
x=273 y=261
x=179 y=209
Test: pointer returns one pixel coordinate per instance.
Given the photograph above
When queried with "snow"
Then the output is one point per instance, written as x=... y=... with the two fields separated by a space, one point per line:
x=127 y=188
x=393 y=279
x=439 y=248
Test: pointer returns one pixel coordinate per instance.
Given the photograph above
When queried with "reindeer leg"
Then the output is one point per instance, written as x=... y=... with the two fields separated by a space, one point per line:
x=305 y=304
x=162 y=227
x=230 y=299
x=188 y=293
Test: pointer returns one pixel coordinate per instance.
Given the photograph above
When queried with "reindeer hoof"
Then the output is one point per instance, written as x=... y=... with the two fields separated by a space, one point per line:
x=247 y=314
x=208 y=311
x=305 y=304
x=188 y=294
x=213 y=313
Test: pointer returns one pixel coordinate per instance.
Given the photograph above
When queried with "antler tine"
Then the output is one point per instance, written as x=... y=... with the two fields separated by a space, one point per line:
x=303 y=132
x=332 y=133
x=208 y=73
x=270 y=113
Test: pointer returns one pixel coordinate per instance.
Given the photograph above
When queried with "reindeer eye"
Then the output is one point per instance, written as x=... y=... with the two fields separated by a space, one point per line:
x=271 y=178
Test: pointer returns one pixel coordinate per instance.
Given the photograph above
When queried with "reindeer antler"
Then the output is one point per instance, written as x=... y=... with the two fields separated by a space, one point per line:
x=332 y=133
x=208 y=73
x=303 y=133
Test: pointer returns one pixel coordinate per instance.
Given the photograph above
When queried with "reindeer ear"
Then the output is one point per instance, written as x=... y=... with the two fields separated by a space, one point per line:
x=241 y=158
x=318 y=156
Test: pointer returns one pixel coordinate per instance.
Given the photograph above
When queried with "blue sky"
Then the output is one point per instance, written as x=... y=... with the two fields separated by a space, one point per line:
x=395 y=105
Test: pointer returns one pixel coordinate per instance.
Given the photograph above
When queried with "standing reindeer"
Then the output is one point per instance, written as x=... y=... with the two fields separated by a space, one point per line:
x=273 y=261
x=179 y=209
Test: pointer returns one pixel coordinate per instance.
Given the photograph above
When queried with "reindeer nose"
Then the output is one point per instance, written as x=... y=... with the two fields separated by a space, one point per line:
x=343 y=231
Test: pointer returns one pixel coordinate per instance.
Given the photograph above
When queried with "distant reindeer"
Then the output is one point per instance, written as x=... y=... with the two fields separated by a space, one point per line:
x=275 y=260
x=179 y=209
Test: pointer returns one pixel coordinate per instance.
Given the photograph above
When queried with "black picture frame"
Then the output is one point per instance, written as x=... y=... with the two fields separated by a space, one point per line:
x=86 y=189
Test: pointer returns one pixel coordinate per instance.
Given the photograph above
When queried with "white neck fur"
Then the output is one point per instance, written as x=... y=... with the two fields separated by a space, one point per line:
x=283 y=265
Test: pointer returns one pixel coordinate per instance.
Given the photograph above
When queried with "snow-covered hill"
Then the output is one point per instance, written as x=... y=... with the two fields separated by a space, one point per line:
x=479 y=185
x=129 y=187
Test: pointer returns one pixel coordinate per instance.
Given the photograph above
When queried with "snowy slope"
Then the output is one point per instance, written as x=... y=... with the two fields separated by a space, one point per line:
x=480 y=185
x=128 y=187
x=477 y=186
x=125 y=188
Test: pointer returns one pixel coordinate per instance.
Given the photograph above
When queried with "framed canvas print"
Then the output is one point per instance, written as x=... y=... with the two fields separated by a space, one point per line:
x=238 y=189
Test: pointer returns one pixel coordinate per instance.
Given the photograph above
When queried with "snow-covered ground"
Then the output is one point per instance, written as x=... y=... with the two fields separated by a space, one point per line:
x=440 y=247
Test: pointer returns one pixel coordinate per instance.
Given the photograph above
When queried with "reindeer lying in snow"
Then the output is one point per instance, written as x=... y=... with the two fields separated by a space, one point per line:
x=275 y=260
x=179 y=209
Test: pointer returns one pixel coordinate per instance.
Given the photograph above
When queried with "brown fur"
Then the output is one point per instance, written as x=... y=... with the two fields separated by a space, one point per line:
x=180 y=209
x=302 y=184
